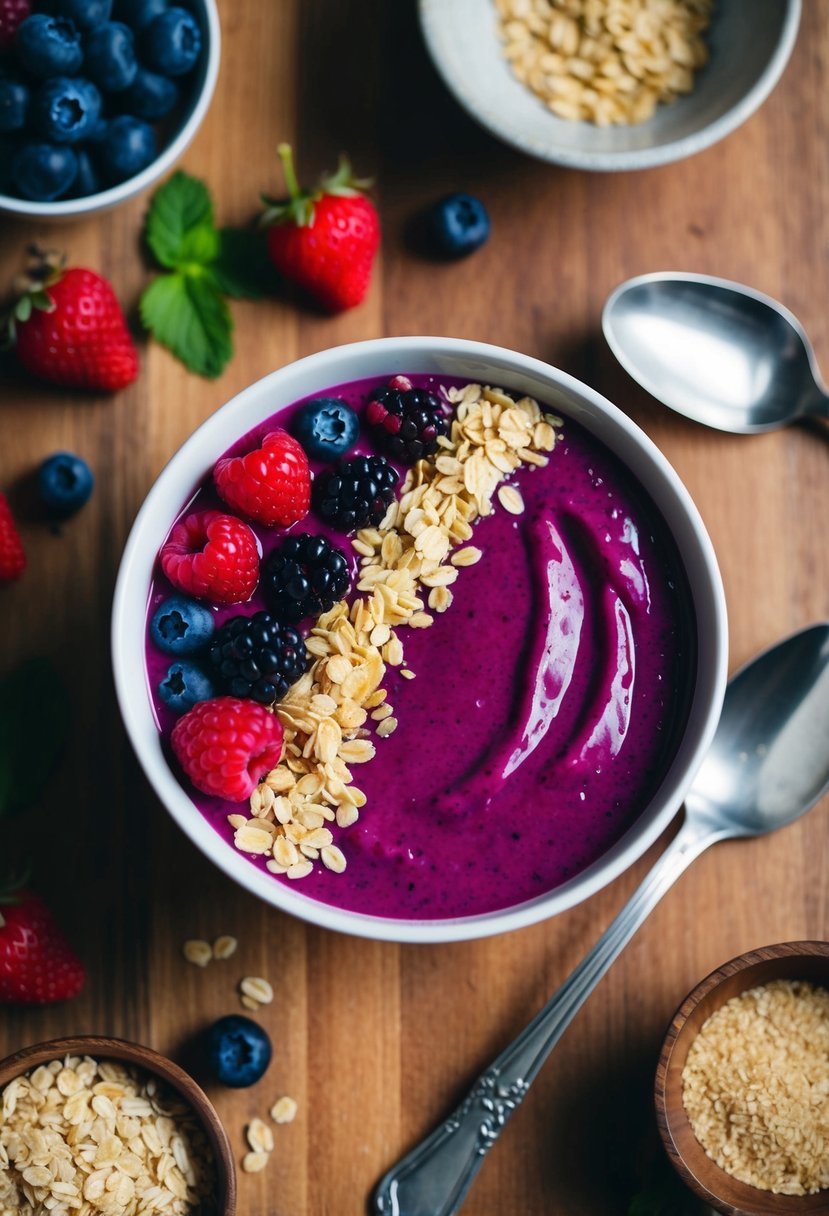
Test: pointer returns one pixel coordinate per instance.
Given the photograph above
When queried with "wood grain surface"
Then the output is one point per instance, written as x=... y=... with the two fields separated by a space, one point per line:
x=377 y=1041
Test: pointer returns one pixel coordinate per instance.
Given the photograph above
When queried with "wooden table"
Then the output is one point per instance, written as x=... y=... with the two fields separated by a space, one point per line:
x=377 y=1041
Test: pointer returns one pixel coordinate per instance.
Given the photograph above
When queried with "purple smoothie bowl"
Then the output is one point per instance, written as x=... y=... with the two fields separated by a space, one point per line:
x=459 y=839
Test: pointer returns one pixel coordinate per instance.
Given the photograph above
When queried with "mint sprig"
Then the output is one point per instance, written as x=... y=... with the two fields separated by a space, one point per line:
x=185 y=308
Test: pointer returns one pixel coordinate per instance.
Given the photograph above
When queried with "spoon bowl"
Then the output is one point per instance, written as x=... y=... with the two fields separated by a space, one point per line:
x=768 y=760
x=720 y=353
x=767 y=765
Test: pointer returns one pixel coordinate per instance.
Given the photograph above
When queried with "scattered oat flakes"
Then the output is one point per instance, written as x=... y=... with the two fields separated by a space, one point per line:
x=249 y=1003
x=254 y=1163
x=284 y=1110
x=224 y=946
x=259 y=1136
x=197 y=952
x=257 y=989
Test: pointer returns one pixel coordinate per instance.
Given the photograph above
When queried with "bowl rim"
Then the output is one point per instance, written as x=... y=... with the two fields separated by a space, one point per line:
x=758 y=958
x=104 y=1047
x=606 y=161
x=89 y=204
x=343 y=363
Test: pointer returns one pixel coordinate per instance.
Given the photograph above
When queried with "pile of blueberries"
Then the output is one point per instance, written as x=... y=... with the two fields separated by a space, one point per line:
x=81 y=85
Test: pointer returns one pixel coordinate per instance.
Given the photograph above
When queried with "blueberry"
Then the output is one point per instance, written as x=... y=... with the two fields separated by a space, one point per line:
x=326 y=427
x=139 y=13
x=181 y=626
x=238 y=1050
x=86 y=181
x=86 y=14
x=14 y=103
x=184 y=685
x=128 y=146
x=47 y=46
x=43 y=172
x=65 y=109
x=172 y=42
x=459 y=224
x=65 y=483
x=150 y=95
x=110 y=56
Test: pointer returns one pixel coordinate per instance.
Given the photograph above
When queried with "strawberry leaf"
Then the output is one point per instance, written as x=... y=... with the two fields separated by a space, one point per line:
x=34 y=720
x=179 y=227
x=187 y=313
x=243 y=269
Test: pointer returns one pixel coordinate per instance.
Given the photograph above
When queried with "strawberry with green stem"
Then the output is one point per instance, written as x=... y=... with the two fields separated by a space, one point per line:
x=324 y=240
x=67 y=327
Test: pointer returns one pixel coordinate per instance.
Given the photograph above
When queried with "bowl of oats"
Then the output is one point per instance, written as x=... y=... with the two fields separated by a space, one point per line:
x=419 y=639
x=610 y=84
x=742 y=1084
x=101 y=1124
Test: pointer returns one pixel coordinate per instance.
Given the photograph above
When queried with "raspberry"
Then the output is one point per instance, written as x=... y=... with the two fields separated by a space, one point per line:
x=226 y=745
x=257 y=657
x=405 y=421
x=355 y=493
x=12 y=556
x=271 y=484
x=212 y=556
x=12 y=13
x=304 y=576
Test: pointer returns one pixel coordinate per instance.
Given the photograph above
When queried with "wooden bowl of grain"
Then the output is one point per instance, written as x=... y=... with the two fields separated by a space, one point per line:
x=151 y=1125
x=745 y=1068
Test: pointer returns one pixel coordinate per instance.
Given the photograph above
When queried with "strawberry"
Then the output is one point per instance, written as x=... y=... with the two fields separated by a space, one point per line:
x=12 y=13
x=37 y=965
x=12 y=556
x=212 y=556
x=324 y=240
x=271 y=484
x=226 y=746
x=68 y=328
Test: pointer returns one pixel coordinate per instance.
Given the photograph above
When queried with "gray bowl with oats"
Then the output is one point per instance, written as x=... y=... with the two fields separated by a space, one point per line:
x=577 y=82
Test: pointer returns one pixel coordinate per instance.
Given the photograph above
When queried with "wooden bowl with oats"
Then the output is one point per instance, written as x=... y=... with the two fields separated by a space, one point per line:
x=742 y=1084
x=153 y=1127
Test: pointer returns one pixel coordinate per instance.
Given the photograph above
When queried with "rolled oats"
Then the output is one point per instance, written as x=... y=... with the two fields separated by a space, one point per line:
x=284 y=1110
x=257 y=989
x=605 y=61
x=107 y=1147
x=197 y=952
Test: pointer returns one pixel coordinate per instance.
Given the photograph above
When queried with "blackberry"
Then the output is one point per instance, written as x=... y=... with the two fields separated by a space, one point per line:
x=405 y=421
x=355 y=493
x=257 y=657
x=305 y=576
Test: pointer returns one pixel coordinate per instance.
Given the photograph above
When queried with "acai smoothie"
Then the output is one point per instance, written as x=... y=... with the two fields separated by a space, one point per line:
x=497 y=683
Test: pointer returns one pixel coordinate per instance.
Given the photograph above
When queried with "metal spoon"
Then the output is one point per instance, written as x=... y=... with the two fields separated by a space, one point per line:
x=716 y=351
x=768 y=763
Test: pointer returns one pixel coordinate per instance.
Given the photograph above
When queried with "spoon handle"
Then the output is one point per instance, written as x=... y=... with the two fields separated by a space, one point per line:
x=434 y=1178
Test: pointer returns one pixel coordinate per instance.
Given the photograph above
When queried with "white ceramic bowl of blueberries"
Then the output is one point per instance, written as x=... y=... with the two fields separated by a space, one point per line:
x=99 y=98
x=376 y=898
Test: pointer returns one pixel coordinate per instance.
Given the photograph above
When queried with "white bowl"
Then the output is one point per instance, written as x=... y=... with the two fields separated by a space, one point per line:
x=750 y=45
x=450 y=357
x=200 y=92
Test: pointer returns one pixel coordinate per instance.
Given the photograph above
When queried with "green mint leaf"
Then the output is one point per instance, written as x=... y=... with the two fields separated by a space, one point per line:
x=188 y=315
x=242 y=268
x=34 y=722
x=179 y=227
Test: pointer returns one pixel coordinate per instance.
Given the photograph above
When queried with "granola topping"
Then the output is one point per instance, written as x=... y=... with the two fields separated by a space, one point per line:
x=408 y=564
